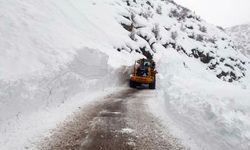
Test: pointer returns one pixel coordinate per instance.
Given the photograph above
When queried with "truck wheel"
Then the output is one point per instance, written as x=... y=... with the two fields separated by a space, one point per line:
x=132 y=84
x=152 y=85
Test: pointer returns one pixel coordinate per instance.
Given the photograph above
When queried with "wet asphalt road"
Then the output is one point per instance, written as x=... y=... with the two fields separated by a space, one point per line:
x=120 y=121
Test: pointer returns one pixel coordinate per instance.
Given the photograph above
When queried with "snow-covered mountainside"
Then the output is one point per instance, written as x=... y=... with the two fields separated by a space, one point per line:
x=241 y=34
x=156 y=26
x=57 y=55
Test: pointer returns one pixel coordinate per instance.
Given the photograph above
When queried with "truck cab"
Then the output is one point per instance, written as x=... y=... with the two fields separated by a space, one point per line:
x=143 y=73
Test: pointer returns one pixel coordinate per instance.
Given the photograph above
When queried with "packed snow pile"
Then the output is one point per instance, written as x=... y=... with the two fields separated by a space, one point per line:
x=241 y=35
x=205 y=112
x=52 y=51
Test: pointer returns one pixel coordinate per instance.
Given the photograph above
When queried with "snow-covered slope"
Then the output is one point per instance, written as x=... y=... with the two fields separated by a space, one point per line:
x=205 y=112
x=52 y=51
x=241 y=35
x=55 y=54
x=159 y=25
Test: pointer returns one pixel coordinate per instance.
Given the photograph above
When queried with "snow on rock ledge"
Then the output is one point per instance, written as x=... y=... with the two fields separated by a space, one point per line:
x=156 y=25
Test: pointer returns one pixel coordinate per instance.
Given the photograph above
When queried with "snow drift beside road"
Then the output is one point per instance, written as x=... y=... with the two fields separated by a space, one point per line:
x=30 y=106
x=52 y=51
x=205 y=112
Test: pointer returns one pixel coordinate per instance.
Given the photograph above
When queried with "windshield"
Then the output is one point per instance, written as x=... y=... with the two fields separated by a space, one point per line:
x=143 y=62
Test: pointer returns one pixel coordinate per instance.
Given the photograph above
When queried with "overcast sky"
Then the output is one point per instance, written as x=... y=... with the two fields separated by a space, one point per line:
x=224 y=13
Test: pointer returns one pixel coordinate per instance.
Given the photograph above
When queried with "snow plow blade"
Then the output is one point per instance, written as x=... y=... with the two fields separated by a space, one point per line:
x=143 y=80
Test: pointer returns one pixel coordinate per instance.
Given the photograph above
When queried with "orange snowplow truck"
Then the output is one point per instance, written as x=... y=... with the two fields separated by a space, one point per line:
x=143 y=73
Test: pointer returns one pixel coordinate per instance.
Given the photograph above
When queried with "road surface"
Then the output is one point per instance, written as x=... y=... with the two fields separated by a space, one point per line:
x=120 y=121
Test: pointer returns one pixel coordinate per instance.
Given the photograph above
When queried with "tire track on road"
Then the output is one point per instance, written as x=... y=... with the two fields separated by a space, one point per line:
x=119 y=122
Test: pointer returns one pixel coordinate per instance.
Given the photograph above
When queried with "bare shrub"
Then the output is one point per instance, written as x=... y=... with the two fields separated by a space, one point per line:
x=156 y=31
x=128 y=27
x=183 y=14
x=212 y=40
x=198 y=18
x=147 y=14
x=192 y=36
x=189 y=27
x=199 y=38
x=203 y=29
x=183 y=28
x=159 y=10
x=180 y=15
x=174 y=13
x=174 y=35
x=150 y=4
x=132 y=36
x=132 y=17
x=128 y=3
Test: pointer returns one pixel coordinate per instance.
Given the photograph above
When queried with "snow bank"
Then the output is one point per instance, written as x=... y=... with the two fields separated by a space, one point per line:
x=43 y=35
x=213 y=113
x=26 y=103
x=52 y=51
